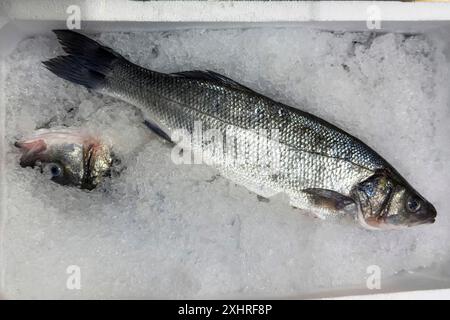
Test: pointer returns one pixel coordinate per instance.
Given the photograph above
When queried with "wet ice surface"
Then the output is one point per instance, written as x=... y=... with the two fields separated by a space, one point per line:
x=162 y=230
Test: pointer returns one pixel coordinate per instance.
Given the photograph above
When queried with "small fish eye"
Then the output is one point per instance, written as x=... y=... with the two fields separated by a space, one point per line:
x=369 y=189
x=55 y=170
x=413 y=204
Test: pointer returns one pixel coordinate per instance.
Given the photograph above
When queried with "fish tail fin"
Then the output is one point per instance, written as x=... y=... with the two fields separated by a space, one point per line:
x=87 y=62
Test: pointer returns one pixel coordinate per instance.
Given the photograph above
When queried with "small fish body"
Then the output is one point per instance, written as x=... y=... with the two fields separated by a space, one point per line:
x=320 y=167
x=69 y=156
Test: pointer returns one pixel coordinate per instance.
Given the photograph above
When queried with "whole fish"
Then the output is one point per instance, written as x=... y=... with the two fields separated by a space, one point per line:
x=319 y=166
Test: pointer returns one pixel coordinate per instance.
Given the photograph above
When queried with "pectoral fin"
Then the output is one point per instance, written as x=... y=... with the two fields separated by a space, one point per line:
x=328 y=198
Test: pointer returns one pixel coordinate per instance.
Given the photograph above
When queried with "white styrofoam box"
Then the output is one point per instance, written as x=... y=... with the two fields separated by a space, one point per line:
x=20 y=19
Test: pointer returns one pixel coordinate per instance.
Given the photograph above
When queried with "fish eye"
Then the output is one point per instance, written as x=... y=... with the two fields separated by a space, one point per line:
x=54 y=170
x=369 y=188
x=413 y=204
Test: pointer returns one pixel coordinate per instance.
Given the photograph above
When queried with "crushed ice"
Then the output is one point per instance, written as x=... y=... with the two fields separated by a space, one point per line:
x=160 y=230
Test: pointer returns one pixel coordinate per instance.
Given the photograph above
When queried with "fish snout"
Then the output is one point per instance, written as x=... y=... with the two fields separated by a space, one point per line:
x=429 y=215
x=31 y=151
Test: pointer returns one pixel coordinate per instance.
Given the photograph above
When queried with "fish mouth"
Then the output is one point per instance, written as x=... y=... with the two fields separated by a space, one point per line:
x=433 y=215
x=31 y=151
x=429 y=220
x=429 y=215
x=29 y=145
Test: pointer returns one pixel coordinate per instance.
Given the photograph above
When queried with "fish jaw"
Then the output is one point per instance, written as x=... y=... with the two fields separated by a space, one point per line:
x=32 y=151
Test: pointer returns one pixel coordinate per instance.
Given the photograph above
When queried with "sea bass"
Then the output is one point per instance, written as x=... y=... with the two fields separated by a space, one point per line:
x=319 y=166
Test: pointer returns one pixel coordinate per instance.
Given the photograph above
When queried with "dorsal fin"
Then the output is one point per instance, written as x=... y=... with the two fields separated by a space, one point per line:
x=212 y=76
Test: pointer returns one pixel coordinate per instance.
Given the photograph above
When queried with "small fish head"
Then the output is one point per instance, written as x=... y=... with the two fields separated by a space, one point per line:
x=387 y=201
x=68 y=156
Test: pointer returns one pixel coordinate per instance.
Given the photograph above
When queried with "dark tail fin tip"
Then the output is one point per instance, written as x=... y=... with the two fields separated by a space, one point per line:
x=71 y=69
x=79 y=45
x=75 y=43
x=87 y=62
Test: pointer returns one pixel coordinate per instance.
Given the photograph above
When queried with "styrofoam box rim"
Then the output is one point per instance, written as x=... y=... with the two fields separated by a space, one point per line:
x=255 y=11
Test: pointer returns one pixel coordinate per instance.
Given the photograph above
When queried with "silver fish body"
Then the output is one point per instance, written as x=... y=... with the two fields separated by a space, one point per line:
x=319 y=166
x=313 y=153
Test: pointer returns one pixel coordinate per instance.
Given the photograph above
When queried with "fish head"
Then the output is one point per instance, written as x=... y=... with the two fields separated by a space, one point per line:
x=68 y=156
x=387 y=201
